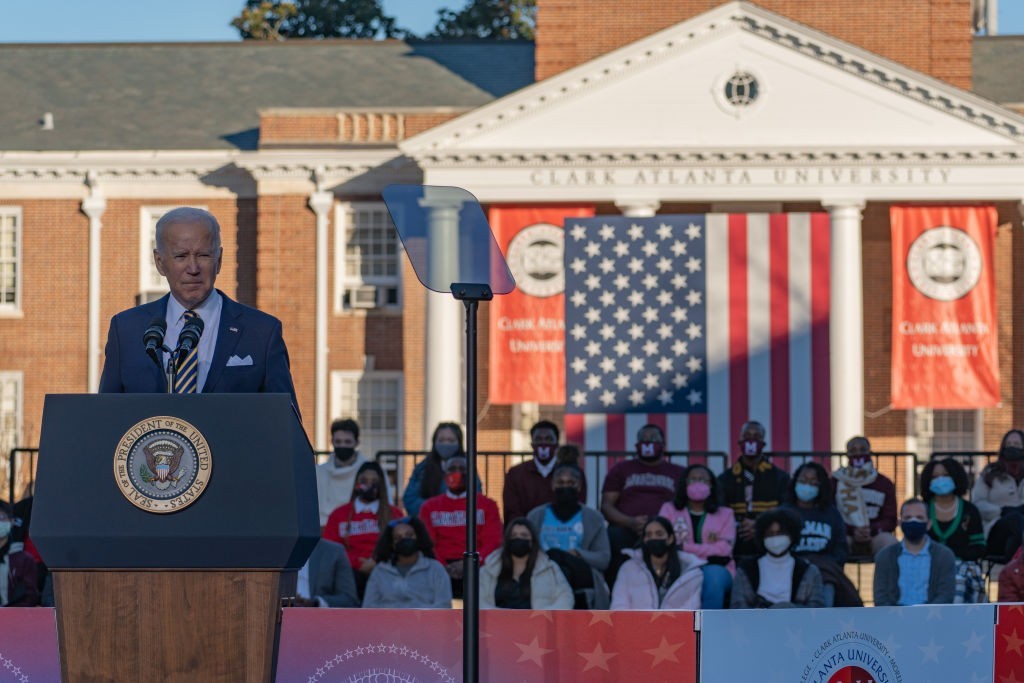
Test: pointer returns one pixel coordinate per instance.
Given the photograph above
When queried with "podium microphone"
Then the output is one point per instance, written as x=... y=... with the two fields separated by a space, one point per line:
x=189 y=337
x=153 y=338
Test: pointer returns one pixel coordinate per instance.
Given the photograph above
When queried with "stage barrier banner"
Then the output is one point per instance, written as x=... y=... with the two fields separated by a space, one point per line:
x=878 y=644
x=944 y=344
x=28 y=645
x=527 y=326
x=1009 y=644
x=332 y=646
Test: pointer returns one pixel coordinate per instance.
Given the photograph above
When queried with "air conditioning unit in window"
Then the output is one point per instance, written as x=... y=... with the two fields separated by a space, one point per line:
x=363 y=296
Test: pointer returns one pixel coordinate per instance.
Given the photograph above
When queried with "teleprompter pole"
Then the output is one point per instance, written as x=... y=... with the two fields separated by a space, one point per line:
x=471 y=295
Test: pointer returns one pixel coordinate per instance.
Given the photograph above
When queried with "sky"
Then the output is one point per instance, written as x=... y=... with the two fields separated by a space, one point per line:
x=59 y=21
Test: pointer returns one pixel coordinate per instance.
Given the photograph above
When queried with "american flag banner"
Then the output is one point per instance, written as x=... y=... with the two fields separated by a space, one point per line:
x=697 y=323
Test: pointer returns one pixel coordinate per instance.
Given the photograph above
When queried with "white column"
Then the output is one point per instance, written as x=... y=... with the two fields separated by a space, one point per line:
x=321 y=202
x=444 y=374
x=846 y=322
x=638 y=208
x=93 y=206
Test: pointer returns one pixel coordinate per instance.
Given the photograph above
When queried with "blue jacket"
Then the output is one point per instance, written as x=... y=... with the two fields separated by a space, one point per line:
x=243 y=331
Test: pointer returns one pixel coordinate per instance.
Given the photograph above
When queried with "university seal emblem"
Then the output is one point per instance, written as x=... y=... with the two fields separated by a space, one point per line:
x=944 y=263
x=162 y=464
x=535 y=259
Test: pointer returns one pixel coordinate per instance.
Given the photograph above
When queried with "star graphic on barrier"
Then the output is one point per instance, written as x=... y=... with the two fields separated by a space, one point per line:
x=600 y=616
x=329 y=665
x=338 y=658
x=665 y=652
x=973 y=644
x=598 y=659
x=532 y=652
x=658 y=614
x=934 y=613
x=892 y=644
x=1013 y=642
x=545 y=613
x=1012 y=678
x=930 y=651
x=311 y=679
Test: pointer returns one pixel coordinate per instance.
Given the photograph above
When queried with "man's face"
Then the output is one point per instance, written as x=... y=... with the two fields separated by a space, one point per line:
x=343 y=439
x=189 y=260
x=545 y=436
x=751 y=441
x=858 y=451
x=915 y=512
x=565 y=479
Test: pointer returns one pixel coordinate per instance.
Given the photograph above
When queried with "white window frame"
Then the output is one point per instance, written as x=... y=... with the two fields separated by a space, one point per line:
x=19 y=412
x=344 y=280
x=338 y=377
x=148 y=216
x=19 y=248
x=917 y=440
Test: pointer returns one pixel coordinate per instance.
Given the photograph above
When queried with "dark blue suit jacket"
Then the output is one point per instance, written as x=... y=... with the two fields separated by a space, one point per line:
x=243 y=331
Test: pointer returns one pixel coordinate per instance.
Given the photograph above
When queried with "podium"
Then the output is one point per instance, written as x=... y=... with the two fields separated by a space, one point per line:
x=174 y=526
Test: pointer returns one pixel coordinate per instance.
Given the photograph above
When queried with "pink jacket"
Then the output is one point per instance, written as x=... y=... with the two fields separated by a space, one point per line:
x=718 y=532
x=635 y=589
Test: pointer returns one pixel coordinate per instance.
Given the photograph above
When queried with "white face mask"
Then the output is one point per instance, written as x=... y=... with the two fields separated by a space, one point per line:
x=777 y=545
x=5 y=529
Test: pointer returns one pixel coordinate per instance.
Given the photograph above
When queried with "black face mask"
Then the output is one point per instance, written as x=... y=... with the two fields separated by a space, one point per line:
x=567 y=496
x=656 y=547
x=406 y=547
x=368 y=493
x=344 y=453
x=519 y=547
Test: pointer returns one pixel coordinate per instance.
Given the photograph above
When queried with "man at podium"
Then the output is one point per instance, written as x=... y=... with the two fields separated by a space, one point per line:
x=221 y=345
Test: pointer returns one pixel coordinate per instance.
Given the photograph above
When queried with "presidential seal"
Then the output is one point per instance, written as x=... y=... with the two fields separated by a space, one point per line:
x=162 y=464
x=535 y=259
x=944 y=263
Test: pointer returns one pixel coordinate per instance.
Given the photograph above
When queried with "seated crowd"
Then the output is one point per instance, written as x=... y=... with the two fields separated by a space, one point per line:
x=666 y=537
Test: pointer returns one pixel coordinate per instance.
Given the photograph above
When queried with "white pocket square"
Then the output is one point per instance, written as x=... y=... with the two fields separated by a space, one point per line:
x=235 y=361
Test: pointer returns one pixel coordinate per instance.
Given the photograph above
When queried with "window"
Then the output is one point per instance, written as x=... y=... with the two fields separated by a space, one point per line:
x=374 y=400
x=10 y=414
x=152 y=284
x=945 y=430
x=367 y=257
x=10 y=258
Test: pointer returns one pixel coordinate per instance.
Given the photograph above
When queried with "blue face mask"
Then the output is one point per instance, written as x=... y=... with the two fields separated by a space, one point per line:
x=806 y=492
x=942 y=486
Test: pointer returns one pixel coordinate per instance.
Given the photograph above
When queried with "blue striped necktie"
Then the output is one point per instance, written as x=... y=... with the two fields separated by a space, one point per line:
x=188 y=372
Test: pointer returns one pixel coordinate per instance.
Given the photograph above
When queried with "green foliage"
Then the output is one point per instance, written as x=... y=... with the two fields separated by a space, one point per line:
x=145 y=474
x=492 y=19
x=275 y=20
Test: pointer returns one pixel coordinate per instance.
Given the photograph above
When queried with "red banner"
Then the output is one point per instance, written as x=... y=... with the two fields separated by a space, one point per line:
x=944 y=350
x=328 y=645
x=527 y=327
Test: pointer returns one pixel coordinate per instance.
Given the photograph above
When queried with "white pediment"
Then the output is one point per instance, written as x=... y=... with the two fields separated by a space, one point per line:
x=666 y=92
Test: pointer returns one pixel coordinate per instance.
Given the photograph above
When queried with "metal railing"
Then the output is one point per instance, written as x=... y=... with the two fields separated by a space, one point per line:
x=13 y=469
x=902 y=467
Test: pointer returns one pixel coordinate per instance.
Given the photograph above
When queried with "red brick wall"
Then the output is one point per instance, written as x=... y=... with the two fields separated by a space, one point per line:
x=932 y=36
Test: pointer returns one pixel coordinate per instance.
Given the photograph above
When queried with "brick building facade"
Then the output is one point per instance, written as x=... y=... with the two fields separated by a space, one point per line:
x=290 y=146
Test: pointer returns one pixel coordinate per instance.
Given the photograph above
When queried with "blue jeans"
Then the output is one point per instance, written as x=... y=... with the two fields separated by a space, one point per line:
x=717 y=583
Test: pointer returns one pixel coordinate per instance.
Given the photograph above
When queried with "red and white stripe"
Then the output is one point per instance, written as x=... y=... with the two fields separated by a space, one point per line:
x=767 y=340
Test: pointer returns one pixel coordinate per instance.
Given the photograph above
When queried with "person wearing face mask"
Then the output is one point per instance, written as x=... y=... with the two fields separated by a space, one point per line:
x=519 y=576
x=633 y=492
x=822 y=534
x=19 y=579
x=336 y=477
x=406 y=575
x=574 y=537
x=956 y=524
x=866 y=499
x=658 y=575
x=528 y=484
x=444 y=517
x=427 y=479
x=357 y=524
x=999 y=490
x=915 y=571
x=777 y=578
x=704 y=528
x=750 y=487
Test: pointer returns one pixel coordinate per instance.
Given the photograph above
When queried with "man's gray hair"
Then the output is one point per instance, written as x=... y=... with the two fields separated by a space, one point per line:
x=188 y=214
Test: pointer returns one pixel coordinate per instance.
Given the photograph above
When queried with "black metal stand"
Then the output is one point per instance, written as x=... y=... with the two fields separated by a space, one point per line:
x=172 y=369
x=471 y=295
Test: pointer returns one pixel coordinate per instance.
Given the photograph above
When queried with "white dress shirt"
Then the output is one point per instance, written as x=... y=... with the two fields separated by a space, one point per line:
x=209 y=311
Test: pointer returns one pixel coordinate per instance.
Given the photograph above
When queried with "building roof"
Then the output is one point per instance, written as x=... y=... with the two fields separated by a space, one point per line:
x=997 y=64
x=208 y=95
